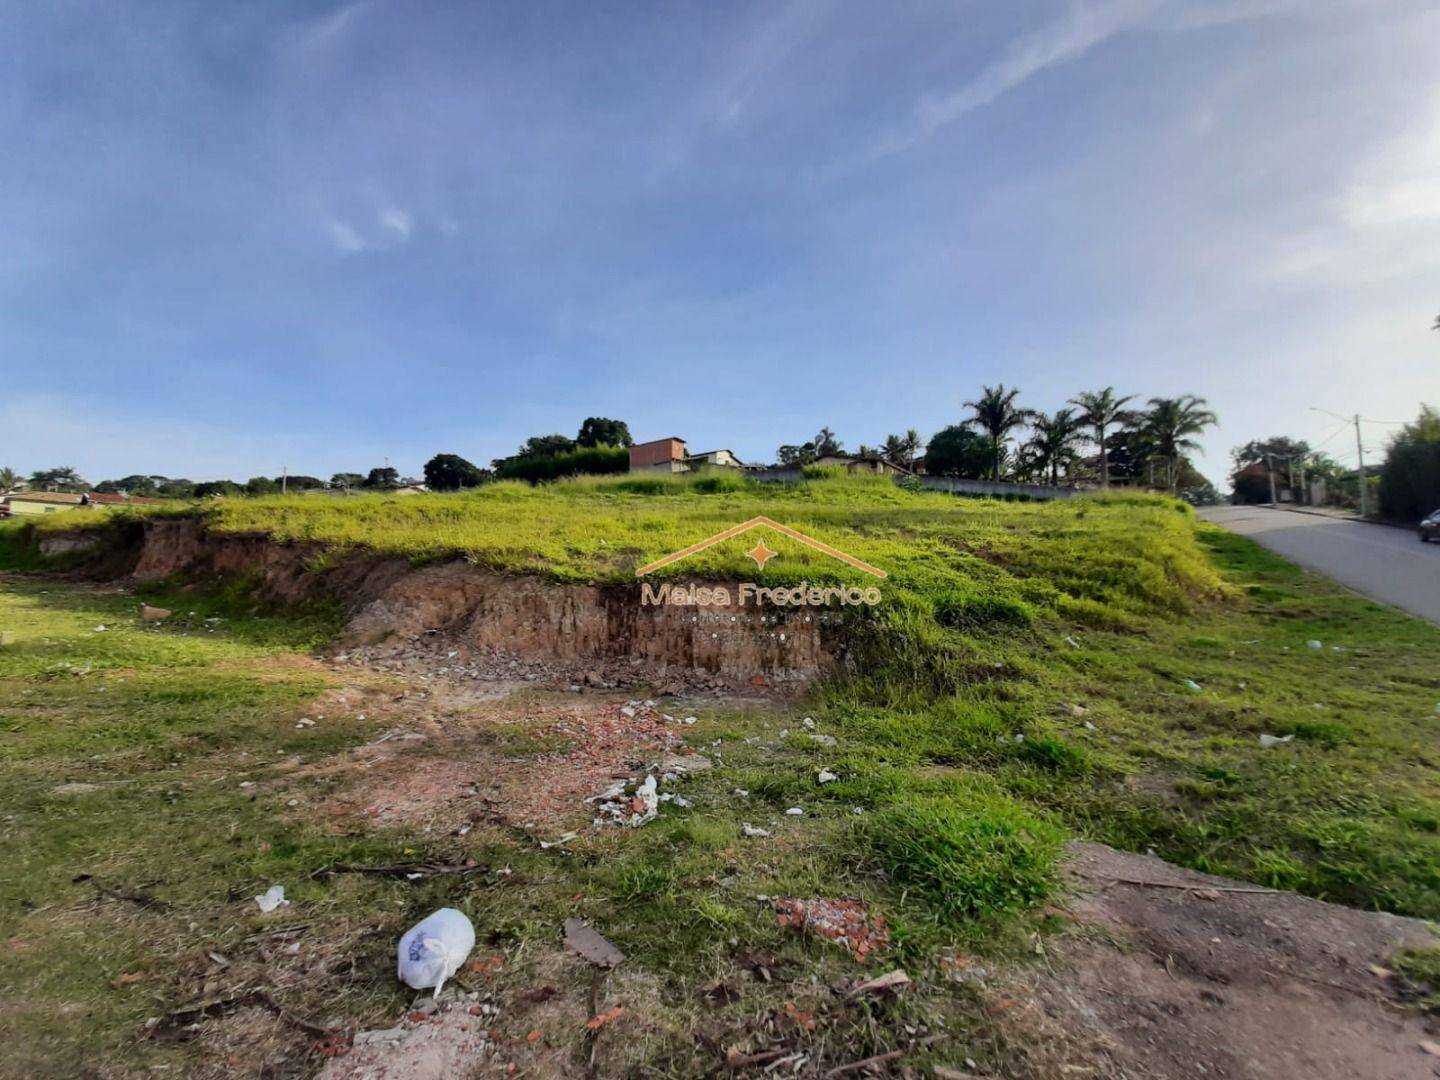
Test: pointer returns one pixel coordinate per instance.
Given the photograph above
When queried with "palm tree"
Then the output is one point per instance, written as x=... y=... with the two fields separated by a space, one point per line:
x=826 y=445
x=997 y=416
x=8 y=479
x=912 y=443
x=1098 y=412
x=1053 y=443
x=894 y=449
x=1171 y=425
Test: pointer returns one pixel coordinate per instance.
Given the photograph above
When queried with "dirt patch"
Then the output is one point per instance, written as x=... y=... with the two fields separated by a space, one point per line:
x=530 y=761
x=1186 y=974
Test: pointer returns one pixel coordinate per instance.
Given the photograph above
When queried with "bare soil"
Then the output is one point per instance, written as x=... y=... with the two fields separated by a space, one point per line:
x=1182 y=974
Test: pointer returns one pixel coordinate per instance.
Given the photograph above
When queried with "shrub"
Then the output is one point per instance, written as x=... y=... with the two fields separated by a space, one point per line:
x=969 y=859
x=957 y=609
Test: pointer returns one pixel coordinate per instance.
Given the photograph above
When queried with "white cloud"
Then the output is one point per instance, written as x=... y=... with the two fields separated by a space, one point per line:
x=397 y=221
x=344 y=237
x=1084 y=27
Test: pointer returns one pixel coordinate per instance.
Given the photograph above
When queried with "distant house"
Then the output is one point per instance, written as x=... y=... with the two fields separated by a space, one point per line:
x=863 y=464
x=659 y=455
x=41 y=502
x=725 y=459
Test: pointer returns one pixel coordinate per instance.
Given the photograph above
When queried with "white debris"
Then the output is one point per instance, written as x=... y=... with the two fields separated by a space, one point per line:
x=825 y=776
x=627 y=712
x=434 y=949
x=795 y=811
x=271 y=899
x=1071 y=642
x=1313 y=644
x=1078 y=710
x=100 y=629
x=1268 y=741
x=808 y=724
x=1089 y=726
x=688 y=720
x=753 y=831
x=544 y=844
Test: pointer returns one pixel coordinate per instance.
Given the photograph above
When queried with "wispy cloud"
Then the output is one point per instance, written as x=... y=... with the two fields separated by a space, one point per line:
x=345 y=237
x=1085 y=26
x=397 y=221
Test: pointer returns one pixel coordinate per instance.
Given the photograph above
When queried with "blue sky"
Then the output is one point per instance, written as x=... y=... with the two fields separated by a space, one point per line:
x=236 y=237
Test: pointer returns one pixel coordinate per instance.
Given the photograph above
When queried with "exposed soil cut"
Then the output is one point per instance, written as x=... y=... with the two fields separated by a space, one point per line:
x=576 y=630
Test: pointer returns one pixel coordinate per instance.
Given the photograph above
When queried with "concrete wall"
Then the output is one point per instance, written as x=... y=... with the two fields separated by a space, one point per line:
x=953 y=484
x=996 y=489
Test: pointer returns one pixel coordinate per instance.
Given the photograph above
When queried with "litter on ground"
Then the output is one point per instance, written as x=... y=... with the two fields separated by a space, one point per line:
x=434 y=949
x=271 y=899
x=1268 y=741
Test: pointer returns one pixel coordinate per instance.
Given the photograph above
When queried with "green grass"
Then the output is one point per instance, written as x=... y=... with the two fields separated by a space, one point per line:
x=1024 y=679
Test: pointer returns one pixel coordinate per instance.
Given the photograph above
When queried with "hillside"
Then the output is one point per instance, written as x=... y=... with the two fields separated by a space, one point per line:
x=1102 y=669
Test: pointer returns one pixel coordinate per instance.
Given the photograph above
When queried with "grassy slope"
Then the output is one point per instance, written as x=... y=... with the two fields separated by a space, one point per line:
x=971 y=647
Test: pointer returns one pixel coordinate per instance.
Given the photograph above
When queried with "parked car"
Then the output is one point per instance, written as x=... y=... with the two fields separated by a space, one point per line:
x=1430 y=527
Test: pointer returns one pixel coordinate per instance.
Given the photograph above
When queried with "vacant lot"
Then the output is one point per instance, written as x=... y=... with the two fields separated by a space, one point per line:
x=1101 y=669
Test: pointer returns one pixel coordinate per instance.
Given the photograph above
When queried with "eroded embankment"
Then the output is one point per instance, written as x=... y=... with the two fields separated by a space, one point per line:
x=575 y=625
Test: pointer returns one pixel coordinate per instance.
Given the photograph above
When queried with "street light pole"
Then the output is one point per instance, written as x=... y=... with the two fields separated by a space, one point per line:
x=1360 y=456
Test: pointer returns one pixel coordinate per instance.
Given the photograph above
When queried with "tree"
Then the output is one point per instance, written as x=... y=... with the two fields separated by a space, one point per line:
x=1410 y=477
x=346 y=480
x=894 y=450
x=912 y=443
x=600 y=431
x=958 y=451
x=300 y=482
x=826 y=444
x=1171 y=425
x=792 y=456
x=451 y=472
x=1099 y=412
x=64 y=478
x=997 y=415
x=1129 y=453
x=383 y=477
x=1053 y=443
x=210 y=489
x=1278 y=454
x=8 y=479
x=546 y=446
x=261 y=485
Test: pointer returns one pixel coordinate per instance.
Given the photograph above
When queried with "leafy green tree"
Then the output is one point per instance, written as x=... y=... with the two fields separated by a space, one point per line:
x=959 y=451
x=582 y=460
x=1100 y=412
x=209 y=489
x=601 y=431
x=451 y=472
x=1410 y=477
x=792 y=456
x=8 y=479
x=997 y=415
x=261 y=485
x=64 y=478
x=346 y=480
x=300 y=482
x=1172 y=426
x=1052 y=444
x=546 y=445
x=382 y=478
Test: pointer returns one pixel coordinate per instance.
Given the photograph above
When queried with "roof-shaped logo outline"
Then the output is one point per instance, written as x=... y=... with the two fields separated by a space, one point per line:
x=783 y=530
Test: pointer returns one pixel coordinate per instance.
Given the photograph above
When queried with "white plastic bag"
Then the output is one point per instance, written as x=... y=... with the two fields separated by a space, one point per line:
x=434 y=948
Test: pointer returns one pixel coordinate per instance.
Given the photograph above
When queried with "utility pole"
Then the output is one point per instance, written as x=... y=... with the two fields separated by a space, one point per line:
x=1360 y=456
x=1270 y=472
x=284 y=479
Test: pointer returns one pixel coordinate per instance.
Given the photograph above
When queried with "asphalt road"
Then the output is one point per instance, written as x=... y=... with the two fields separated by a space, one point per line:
x=1385 y=563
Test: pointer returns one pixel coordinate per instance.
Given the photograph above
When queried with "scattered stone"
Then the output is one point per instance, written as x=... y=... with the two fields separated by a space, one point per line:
x=155 y=614
x=825 y=776
x=589 y=944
